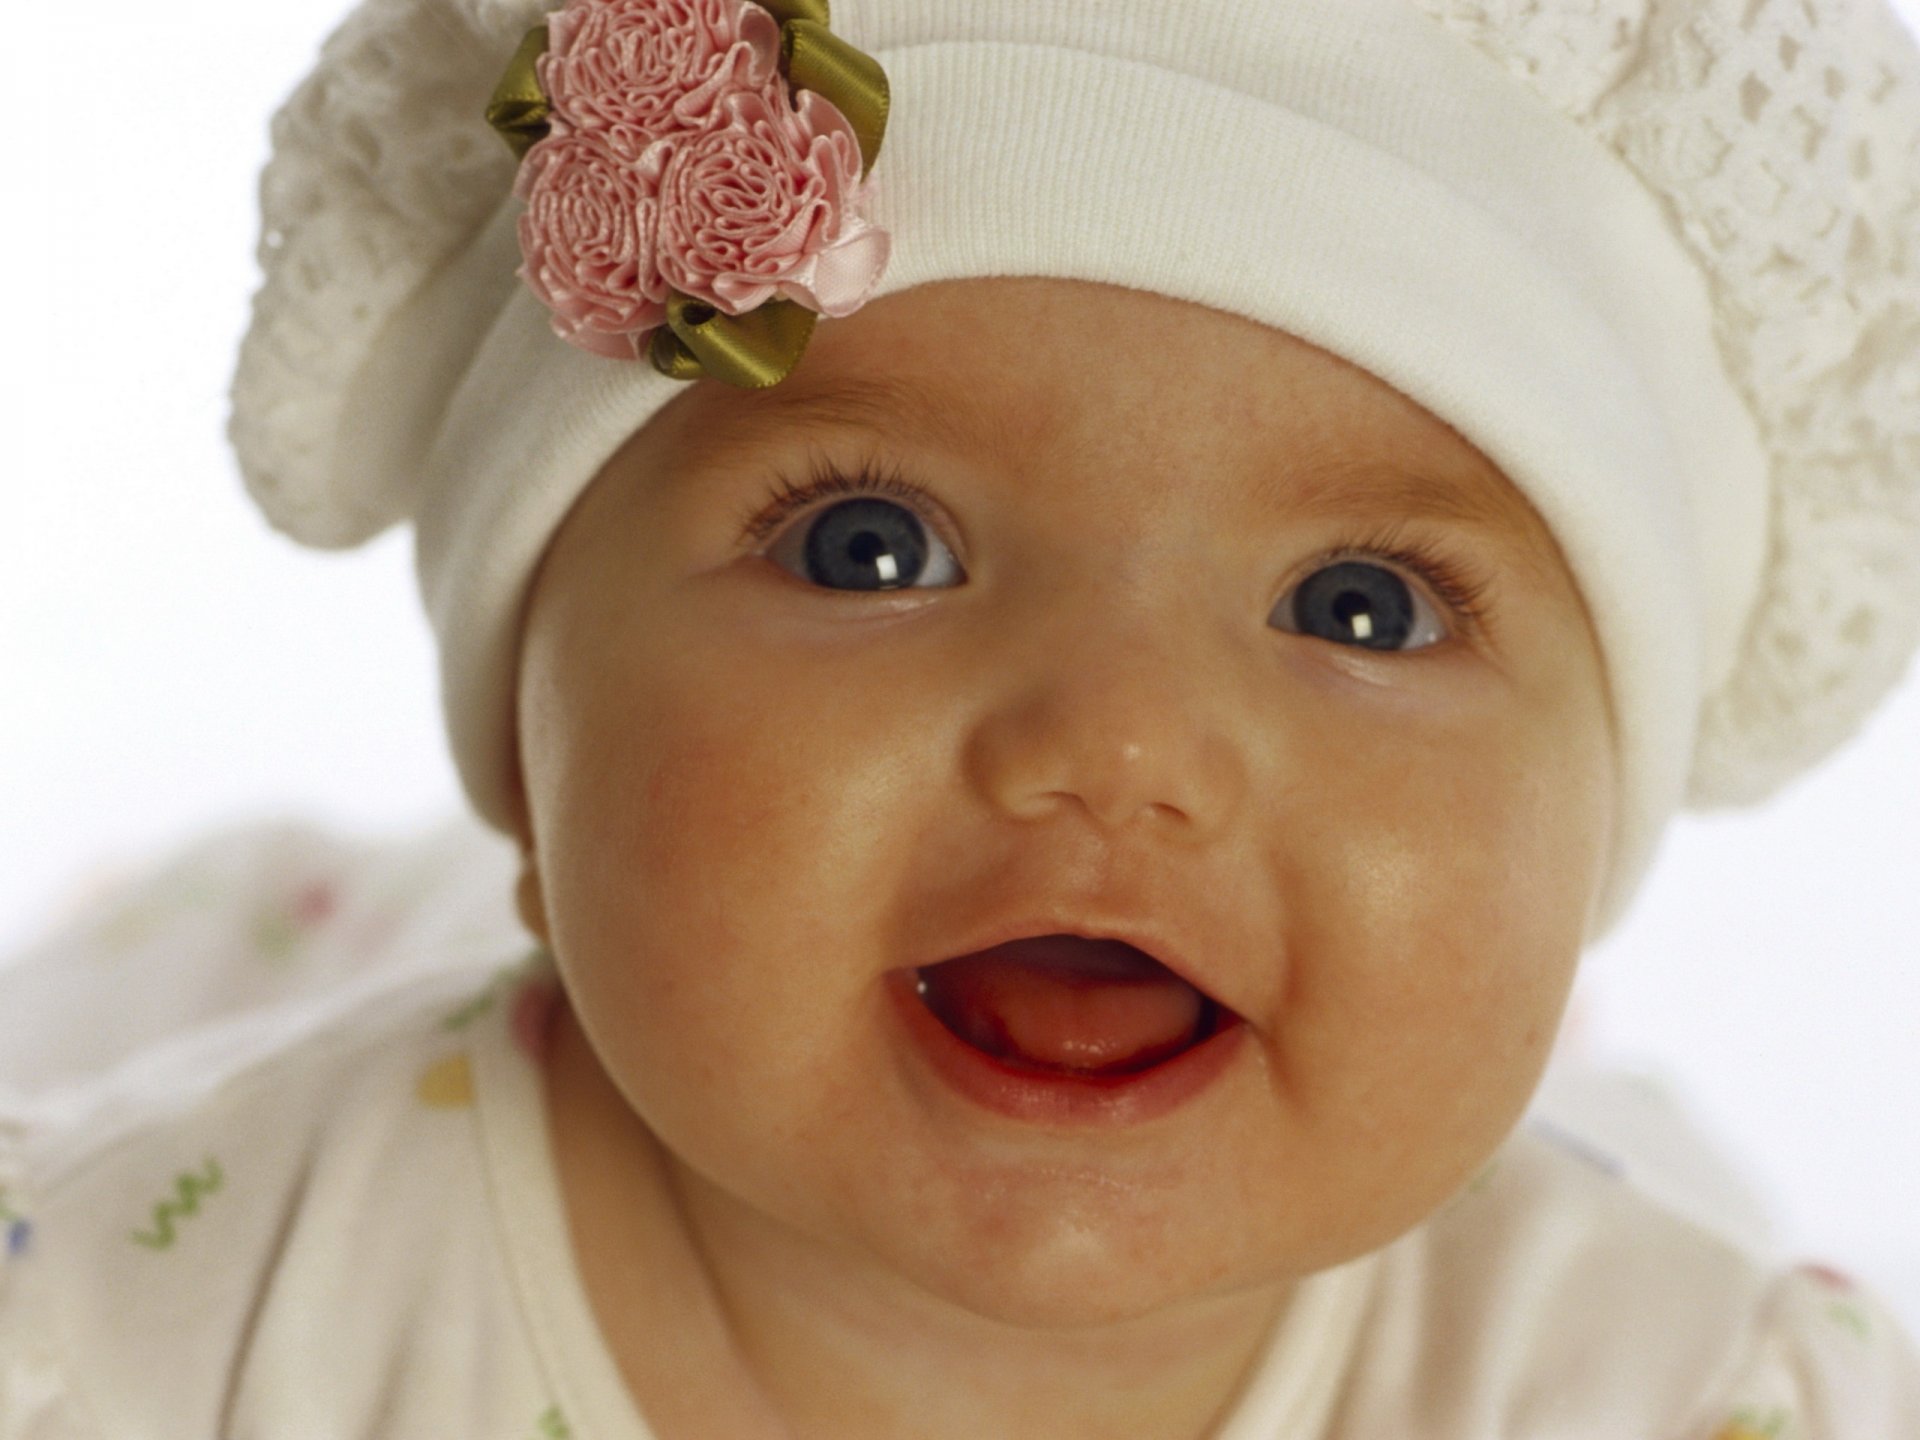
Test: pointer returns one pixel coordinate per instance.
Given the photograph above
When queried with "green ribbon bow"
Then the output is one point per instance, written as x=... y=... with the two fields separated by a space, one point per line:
x=760 y=347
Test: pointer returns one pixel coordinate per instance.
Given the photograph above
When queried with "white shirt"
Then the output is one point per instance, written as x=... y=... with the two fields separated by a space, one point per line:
x=273 y=1166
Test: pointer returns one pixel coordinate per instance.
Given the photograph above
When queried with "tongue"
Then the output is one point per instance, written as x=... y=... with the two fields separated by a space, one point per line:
x=1061 y=1002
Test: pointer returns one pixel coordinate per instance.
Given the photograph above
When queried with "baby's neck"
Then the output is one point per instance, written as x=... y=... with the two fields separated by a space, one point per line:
x=725 y=1322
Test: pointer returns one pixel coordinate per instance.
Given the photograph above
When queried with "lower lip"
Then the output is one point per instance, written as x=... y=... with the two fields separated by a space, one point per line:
x=1064 y=1099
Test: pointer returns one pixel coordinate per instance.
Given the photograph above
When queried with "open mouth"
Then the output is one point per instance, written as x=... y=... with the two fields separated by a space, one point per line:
x=1066 y=1007
x=1061 y=1030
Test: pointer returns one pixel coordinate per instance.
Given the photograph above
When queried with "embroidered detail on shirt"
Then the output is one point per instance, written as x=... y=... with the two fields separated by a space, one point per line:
x=1851 y=1317
x=283 y=929
x=1826 y=1275
x=16 y=1231
x=553 y=1425
x=275 y=937
x=136 y=920
x=534 y=1007
x=489 y=995
x=1755 y=1425
x=185 y=1202
x=1476 y=1185
x=447 y=1084
x=1574 y=1145
x=1842 y=1310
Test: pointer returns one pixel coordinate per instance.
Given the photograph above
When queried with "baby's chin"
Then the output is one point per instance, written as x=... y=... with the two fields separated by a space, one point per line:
x=1073 y=1250
x=1072 y=1281
x=1083 y=1240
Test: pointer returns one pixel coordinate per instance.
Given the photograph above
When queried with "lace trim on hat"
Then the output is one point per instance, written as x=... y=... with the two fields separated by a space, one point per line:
x=1784 y=138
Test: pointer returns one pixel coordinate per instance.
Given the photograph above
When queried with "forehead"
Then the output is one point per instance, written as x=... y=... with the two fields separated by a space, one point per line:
x=1086 y=376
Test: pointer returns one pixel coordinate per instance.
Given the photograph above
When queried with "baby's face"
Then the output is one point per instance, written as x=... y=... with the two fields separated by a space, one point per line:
x=1106 y=676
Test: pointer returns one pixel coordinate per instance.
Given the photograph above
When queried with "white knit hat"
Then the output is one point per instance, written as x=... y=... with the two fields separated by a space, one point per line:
x=1658 y=259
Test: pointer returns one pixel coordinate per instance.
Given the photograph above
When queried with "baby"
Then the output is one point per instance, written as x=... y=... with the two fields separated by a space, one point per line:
x=1077 y=613
x=1133 y=681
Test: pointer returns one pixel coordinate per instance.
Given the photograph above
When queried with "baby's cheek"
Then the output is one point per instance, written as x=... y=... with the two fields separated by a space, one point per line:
x=1432 y=979
x=701 y=918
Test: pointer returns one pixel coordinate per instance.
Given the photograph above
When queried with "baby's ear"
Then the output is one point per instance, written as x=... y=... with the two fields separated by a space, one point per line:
x=529 y=899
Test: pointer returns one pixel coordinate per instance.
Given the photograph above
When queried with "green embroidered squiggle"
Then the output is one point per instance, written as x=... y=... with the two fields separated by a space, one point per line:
x=553 y=1425
x=503 y=979
x=1765 y=1424
x=275 y=936
x=471 y=1010
x=188 y=1187
x=1851 y=1317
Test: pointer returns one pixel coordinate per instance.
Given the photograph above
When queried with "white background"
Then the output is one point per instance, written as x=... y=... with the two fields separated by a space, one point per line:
x=167 y=663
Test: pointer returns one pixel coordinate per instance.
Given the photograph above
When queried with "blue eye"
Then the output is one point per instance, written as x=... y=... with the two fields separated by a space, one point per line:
x=867 y=543
x=1359 y=603
x=882 y=534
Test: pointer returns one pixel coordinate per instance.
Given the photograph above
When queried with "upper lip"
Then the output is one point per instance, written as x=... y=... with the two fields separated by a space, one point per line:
x=1151 y=939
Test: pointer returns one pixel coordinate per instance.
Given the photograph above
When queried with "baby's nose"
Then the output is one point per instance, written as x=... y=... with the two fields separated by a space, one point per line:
x=1133 y=724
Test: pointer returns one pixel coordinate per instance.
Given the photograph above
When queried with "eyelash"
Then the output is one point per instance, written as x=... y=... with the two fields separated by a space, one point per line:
x=825 y=478
x=1461 y=587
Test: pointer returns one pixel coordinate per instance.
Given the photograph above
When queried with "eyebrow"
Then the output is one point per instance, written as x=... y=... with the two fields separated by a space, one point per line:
x=875 y=403
x=1483 y=502
x=1450 y=494
x=1486 y=503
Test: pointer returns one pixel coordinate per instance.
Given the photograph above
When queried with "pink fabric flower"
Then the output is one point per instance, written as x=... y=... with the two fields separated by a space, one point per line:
x=679 y=159
x=587 y=238
x=762 y=203
x=637 y=70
